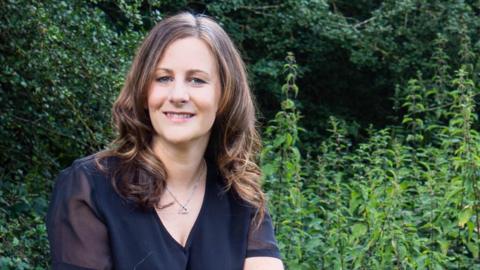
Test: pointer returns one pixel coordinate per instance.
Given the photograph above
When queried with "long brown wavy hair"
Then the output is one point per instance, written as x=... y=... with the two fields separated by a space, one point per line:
x=234 y=140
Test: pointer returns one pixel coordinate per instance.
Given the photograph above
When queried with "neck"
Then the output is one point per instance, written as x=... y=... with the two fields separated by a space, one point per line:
x=183 y=164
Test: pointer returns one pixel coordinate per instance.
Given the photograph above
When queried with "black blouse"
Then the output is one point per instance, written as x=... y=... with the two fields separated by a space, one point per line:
x=91 y=227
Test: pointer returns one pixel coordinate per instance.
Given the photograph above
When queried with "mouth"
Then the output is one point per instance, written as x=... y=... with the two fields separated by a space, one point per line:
x=179 y=116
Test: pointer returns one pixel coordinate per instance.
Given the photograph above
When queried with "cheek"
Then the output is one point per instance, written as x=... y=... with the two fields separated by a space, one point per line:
x=155 y=98
x=211 y=103
x=217 y=97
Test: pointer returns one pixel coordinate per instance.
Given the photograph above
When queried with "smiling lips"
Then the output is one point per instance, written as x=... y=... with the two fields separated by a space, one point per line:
x=179 y=116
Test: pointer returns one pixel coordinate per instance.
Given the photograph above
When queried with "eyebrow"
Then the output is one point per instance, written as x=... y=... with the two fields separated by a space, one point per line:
x=190 y=71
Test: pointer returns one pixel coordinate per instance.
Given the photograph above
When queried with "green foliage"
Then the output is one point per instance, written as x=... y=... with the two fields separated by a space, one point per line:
x=395 y=201
x=281 y=166
x=61 y=69
x=384 y=175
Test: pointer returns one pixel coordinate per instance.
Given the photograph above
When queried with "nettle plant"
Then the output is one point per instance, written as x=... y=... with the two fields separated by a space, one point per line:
x=406 y=198
x=280 y=159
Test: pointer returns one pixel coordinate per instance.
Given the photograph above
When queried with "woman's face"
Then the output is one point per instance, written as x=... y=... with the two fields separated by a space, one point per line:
x=183 y=98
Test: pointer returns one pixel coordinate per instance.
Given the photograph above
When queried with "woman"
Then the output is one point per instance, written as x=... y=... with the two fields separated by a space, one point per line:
x=180 y=188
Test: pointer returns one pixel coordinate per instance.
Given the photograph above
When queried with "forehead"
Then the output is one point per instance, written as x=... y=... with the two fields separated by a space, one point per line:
x=188 y=53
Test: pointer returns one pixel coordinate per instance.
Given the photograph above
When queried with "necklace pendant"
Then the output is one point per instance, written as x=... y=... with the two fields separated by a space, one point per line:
x=183 y=211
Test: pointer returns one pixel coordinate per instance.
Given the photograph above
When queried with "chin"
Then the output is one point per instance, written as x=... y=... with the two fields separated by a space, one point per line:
x=181 y=137
x=177 y=140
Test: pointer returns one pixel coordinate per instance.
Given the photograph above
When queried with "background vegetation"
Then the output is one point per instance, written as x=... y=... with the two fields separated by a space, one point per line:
x=372 y=150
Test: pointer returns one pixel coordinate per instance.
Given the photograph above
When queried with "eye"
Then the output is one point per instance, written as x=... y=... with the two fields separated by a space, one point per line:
x=197 y=81
x=164 y=79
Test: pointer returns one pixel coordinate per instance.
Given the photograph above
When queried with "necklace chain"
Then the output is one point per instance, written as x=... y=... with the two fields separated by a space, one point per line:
x=183 y=206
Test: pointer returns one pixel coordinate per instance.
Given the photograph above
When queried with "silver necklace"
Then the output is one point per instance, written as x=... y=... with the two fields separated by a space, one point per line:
x=183 y=206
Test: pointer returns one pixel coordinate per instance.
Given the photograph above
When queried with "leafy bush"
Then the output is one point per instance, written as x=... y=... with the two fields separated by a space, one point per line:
x=395 y=201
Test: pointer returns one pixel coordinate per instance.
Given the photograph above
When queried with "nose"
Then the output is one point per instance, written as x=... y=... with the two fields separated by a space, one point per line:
x=179 y=93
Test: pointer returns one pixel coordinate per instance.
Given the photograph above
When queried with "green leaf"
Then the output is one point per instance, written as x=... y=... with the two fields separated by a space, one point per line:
x=465 y=216
x=268 y=169
x=288 y=140
x=473 y=249
x=444 y=244
x=278 y=141
x=358 y=229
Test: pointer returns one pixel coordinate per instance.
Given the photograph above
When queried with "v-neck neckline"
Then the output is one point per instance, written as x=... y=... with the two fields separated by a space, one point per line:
x=208 y=187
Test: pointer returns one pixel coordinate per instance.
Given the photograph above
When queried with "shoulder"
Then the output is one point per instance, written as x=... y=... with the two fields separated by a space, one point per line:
x=83 y=163
x=73 y=177
x=94 y=164
x=81 y=183
x=84 y=172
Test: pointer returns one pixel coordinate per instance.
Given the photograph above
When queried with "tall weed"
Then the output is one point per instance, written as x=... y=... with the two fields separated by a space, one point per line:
x=406 y=198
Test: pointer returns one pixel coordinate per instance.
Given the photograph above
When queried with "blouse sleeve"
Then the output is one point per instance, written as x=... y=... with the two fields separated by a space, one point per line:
x=78 y=238
x=261 y=240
